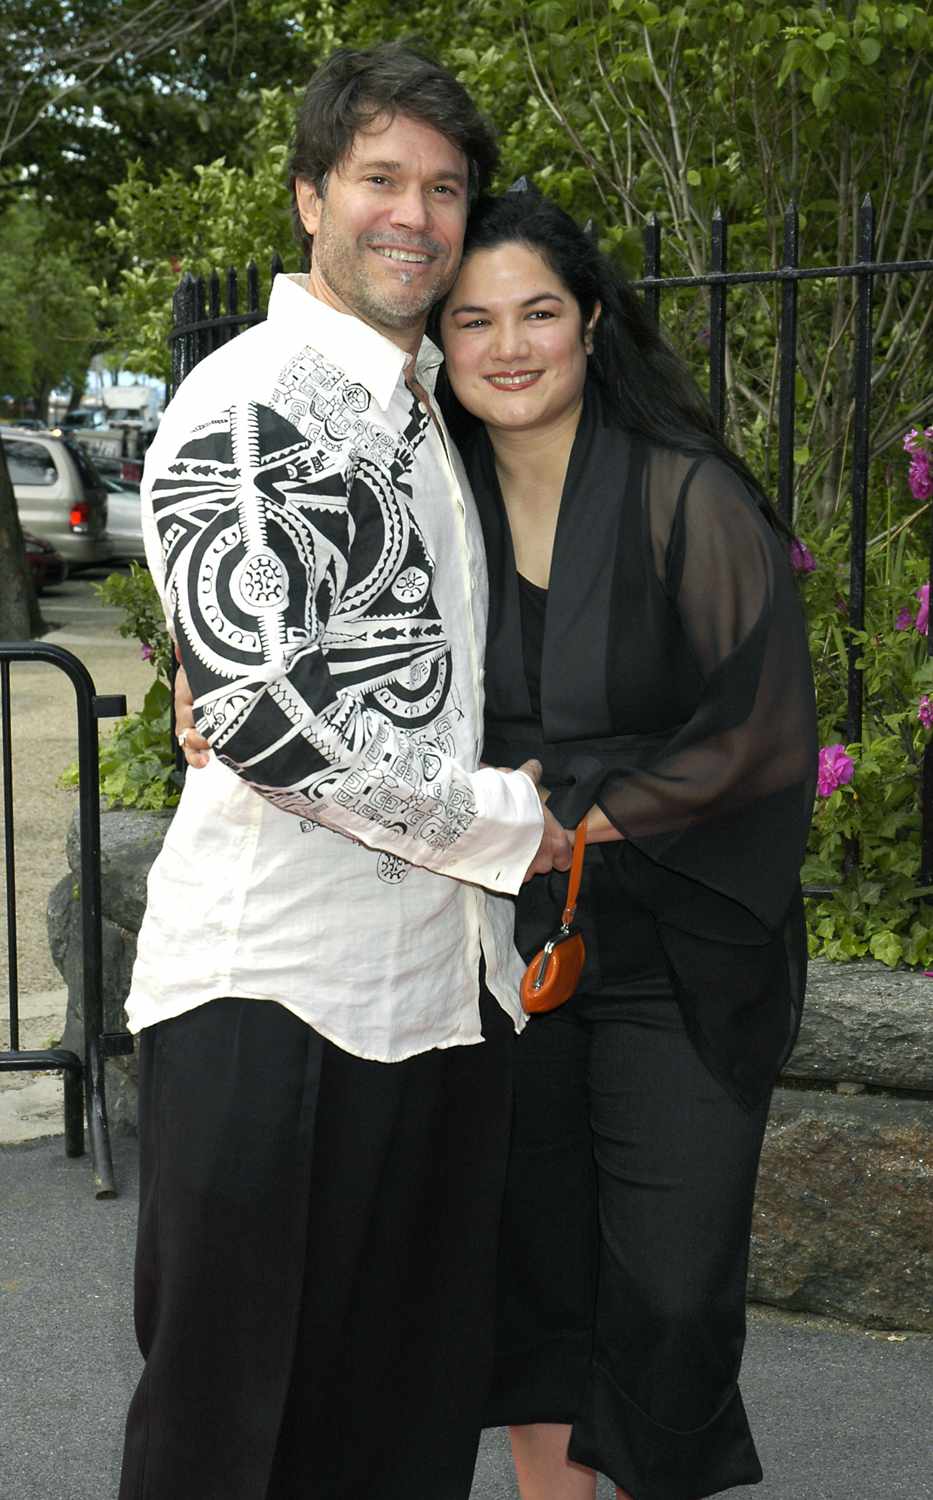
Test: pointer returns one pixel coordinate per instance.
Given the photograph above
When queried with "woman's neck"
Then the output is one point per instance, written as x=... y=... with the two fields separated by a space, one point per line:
x=534 y=462
x=532 y=466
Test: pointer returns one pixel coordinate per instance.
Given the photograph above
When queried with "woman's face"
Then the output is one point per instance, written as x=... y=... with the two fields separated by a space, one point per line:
x=514 y=341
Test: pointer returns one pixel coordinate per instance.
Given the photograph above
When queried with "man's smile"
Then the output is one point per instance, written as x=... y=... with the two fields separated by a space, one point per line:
x=408 y=257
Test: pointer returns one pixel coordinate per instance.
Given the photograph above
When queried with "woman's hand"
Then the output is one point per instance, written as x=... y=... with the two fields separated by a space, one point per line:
x=196 y=748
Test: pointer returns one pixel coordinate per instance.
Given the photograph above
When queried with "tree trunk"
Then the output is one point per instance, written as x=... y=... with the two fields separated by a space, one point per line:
x=20 y=619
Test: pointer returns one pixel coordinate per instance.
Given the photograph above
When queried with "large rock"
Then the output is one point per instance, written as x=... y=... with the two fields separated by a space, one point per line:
x=130 y=841
x=844 y=1212
x=866 y=1024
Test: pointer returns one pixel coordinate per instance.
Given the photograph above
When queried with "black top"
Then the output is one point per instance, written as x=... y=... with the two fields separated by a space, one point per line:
x=676 y=693
x=532 y=602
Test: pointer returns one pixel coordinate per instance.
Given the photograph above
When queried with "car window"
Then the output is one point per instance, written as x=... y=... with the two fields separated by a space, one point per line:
x=85 y=468
x=29 y=463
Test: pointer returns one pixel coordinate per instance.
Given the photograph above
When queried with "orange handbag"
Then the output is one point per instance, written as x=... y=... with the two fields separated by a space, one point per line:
x=553 y=974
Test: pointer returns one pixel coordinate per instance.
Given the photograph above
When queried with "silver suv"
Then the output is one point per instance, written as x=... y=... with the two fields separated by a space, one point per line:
x=59 y=494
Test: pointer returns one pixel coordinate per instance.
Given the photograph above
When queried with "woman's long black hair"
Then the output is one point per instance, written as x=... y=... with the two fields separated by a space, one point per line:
x=647 y=387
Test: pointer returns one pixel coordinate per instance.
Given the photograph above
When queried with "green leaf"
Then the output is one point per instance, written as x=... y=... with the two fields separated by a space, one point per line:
x=827 y=41
x=869 y=49
x=157 y=700
x=887 y=947
x=694 y=178
x=822 y=93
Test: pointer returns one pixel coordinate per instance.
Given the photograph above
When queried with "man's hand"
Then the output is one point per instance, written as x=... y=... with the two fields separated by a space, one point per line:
x=555 y=850
x=195 y=747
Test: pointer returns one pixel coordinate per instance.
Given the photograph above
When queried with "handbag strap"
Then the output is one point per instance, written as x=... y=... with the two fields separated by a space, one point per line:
x=576 y=871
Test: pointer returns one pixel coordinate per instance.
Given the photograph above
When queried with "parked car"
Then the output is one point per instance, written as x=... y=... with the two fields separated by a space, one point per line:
x=59 y=494
x=124 y=522
x=47 y=566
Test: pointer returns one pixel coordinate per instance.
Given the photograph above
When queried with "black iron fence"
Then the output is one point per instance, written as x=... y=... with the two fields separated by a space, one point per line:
x=83 y=1075
x=201 y=326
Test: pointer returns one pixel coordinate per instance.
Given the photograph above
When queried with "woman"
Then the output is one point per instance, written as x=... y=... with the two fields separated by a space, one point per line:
x=645 y=643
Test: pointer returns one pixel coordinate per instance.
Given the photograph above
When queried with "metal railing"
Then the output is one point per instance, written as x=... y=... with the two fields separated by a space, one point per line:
x=84 y=1076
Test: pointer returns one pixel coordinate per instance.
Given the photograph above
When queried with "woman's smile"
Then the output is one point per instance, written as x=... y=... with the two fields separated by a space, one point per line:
x=513 y=380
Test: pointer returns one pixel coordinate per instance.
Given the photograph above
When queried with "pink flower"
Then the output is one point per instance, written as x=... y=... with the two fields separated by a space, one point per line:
x=911 y=439
x=801 y=558
x=922 y=621
x=904 y=618
x=836 y=769
x=919 y=477
x=146 y=652
x=925 y=712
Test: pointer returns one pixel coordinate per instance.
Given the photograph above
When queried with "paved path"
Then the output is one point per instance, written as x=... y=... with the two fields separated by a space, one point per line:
x=839 y=1414
x=44 y=744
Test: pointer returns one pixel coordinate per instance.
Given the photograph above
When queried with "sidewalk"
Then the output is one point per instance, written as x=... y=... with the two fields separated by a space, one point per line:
x=44 y=744
x=838 y=1414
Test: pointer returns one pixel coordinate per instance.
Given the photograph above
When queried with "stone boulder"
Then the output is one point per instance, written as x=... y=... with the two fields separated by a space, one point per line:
x=864 y=1023
x=130 y=841
x=844 y=1211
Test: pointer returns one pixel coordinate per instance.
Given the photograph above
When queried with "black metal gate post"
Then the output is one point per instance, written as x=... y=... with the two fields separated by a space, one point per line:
x=98 y=1044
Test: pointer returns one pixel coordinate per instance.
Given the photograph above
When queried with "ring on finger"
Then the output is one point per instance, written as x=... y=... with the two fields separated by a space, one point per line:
x=182 y=738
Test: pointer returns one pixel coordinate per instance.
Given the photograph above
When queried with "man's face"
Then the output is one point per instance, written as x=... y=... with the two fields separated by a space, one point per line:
x=388 y=232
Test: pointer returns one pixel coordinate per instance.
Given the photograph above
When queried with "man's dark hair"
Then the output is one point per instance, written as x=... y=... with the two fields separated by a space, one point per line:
x=352 y=88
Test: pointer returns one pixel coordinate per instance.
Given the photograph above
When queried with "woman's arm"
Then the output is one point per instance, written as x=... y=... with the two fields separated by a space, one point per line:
x=599 y=830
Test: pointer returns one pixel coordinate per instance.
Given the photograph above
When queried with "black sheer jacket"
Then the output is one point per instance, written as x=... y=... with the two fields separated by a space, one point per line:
x=676 y=693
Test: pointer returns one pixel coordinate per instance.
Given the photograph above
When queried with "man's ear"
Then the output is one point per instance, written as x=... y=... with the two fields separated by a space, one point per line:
x=309 y=204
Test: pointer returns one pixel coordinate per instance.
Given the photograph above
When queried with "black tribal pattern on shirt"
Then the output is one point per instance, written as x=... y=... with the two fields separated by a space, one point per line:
x=300 y=585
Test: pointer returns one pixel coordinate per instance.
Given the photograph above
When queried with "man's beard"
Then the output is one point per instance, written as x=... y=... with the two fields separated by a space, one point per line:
x=341 y=263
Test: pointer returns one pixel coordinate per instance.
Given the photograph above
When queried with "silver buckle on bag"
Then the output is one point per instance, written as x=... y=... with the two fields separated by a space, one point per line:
x=559 y=937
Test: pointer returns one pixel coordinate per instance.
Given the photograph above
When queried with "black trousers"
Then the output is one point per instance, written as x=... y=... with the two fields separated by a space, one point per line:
x=316 y=1261
x=624 y=1249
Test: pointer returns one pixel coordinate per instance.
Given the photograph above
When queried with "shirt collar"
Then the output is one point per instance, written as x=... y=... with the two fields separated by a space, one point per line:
x=346 y=341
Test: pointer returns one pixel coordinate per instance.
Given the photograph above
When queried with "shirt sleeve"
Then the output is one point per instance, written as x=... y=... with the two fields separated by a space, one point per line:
x=722 y=808
x=289 y=575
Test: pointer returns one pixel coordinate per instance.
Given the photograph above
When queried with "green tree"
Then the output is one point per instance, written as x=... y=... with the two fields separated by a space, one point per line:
x=47 y=326
x=88 y=85
x=746 y=105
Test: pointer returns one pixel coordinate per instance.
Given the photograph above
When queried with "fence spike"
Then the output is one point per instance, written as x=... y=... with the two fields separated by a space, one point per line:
x=651 y=239
x=252 y=287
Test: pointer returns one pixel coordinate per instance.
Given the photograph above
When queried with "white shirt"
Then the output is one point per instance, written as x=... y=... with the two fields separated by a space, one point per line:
x=316 y=546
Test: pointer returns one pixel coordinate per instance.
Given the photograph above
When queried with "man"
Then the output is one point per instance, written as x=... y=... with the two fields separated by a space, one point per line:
x=324 y=988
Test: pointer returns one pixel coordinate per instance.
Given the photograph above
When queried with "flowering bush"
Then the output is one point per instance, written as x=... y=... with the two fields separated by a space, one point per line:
x=920 y=474
x=866 y=828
